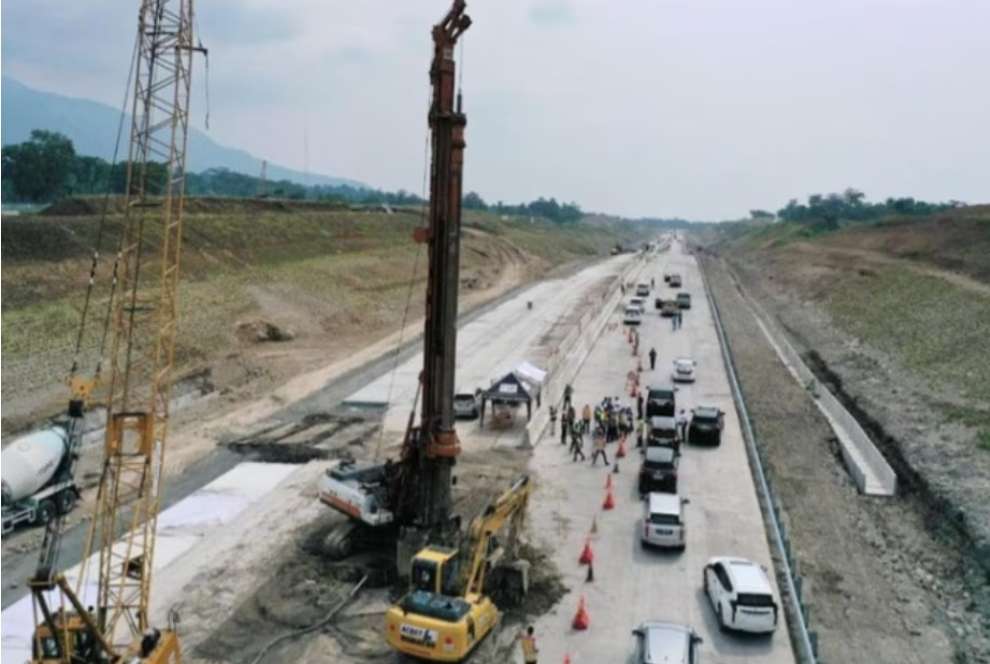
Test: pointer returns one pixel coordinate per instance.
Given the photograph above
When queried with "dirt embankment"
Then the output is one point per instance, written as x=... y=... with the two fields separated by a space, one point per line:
x=881 y=583
x=894 y=319
x=269 y=289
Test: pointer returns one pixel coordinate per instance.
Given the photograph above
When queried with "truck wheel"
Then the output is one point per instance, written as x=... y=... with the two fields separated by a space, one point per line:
x=46 y=510
x=66 y=501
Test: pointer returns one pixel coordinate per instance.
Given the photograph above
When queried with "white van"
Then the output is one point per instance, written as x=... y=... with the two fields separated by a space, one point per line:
x=632 y=315
x=741 y=595
x=663 y=521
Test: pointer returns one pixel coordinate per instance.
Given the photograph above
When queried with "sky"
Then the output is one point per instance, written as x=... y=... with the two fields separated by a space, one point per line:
x=702 y=109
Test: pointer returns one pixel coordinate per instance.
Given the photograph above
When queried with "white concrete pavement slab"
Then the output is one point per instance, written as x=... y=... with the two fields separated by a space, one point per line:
x=180 y=527
x=723 y=517
x=492 y=344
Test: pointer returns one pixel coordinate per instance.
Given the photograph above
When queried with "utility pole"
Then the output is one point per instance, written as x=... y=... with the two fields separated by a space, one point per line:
x=263 y=180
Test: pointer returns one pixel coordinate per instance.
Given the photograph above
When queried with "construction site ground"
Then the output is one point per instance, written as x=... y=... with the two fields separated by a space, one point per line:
x=240 y=558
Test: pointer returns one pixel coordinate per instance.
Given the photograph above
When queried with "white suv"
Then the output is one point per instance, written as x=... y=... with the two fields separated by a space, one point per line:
x=666 y=642
x=741 y=595
x=663 y=522
x=683 y=370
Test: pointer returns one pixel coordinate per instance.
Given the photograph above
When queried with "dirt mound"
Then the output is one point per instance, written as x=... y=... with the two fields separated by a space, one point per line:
x=260 y=331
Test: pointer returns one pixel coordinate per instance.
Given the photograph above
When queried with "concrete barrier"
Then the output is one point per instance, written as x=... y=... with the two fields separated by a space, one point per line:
x=871 y=472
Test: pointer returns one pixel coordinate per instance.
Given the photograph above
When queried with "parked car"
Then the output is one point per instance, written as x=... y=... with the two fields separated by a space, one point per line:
x=638 y=302
x=669 y=308
x=658 y=471
x=706 y=426
x=662 y=431
x=741 y=595
x=665 y=642
x=466 y=405
x=661 y=401
x=663 y=521
x=642 y=290
x=632 y=315
x=683 y=370
x=684 y=300
x=674 y=281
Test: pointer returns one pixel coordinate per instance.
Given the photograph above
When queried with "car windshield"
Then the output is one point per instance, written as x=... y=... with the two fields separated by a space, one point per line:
x=755 y=599
x=665 y=519
x=659 y=455
x=705 y=415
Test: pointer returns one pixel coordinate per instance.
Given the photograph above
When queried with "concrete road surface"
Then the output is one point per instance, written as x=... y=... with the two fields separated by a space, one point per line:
x=723 y=517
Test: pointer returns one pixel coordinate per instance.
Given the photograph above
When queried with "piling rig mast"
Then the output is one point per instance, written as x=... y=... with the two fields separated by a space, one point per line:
x=144 y=317
x=413 y=495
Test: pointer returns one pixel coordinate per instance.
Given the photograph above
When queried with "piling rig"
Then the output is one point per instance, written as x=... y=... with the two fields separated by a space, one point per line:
x=410 y=499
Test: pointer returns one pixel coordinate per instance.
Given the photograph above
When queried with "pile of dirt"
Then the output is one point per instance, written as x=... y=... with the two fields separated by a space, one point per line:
x=260 y=331
x=315 y=436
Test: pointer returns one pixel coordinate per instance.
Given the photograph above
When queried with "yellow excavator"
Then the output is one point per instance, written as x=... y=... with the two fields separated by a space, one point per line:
x=449 y=609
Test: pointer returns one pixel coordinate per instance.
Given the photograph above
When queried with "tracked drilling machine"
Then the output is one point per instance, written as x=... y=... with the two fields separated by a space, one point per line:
x=410 y=500
x=108 y=620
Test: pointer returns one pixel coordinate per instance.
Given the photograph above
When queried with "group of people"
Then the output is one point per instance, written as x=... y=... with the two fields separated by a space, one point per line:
x=607 y=422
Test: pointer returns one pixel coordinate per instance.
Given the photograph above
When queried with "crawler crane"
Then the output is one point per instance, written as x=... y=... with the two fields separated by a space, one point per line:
x=110 y=621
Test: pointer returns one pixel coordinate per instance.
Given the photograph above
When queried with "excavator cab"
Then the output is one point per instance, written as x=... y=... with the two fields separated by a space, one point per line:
x=436 y=569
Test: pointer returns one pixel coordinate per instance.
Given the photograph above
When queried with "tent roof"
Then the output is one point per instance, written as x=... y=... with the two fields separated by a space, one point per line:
x=508 y=388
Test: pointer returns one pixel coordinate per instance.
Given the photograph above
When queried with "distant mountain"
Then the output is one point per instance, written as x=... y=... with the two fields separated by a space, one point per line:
x=92 y=126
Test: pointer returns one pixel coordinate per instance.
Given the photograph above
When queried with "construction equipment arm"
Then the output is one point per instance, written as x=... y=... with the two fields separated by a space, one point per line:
x=511 y=505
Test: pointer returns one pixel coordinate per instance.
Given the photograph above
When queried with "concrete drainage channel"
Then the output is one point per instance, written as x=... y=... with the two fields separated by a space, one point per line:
x=805 y=640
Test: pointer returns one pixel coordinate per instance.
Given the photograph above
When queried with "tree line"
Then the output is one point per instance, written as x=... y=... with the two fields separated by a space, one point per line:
x=46 y=167
x=827 y=210
x=548 y=208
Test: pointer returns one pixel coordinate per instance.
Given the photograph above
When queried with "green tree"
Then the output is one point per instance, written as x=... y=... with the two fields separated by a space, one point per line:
x=474 y=201
x=39 y=168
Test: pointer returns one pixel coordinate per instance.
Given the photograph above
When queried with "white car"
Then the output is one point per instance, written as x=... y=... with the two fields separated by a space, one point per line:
x=663 y=521
x=638 y=302
x=632 y=316
x=683 y=370
x=741 y=595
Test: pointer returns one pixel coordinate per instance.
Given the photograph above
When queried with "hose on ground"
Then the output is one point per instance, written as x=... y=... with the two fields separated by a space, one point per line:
x=315 y=626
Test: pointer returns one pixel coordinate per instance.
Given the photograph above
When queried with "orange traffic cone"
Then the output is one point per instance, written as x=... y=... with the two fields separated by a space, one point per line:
x=567 y=659
x=581 y=619
x=609 y=501
x=621 y=452
x=587 y=555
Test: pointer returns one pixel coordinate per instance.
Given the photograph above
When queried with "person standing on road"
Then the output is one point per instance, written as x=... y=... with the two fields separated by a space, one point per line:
x=599 y=448
x=586 y=417
x=571 y=415
x=528 y=643
x=682 y=425
x=568 y=393
x=653 y=359
x=553 y=420
x=577 y=443
x=673 y=323
x=652 y=282
x=564 y=427
x=639 y=405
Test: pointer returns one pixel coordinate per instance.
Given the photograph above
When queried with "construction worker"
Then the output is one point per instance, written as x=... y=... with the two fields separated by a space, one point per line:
x=528 y=643
x=599 y=442
x=653 y=359
x=639 y=405
x=586 y=417
x=577 y=442
x=553 y=420
x=571 y=415
x=568 y=393
x=564 y=427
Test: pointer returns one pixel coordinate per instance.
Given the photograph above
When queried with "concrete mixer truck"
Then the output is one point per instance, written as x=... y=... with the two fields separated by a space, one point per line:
x=37 y=478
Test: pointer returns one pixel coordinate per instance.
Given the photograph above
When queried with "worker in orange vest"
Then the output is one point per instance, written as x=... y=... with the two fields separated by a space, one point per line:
x=529 y=649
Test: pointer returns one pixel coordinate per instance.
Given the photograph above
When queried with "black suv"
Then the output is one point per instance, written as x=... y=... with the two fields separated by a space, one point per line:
x=660 y=401
x=684 y=300
x=659 y=470
x=706 y=426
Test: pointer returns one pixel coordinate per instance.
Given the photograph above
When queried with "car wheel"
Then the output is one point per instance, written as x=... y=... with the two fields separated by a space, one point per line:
x=66 y=501
x=46 y=510
x=721 y=623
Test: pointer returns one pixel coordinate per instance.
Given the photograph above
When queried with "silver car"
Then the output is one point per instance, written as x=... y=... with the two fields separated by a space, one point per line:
x=666 y=643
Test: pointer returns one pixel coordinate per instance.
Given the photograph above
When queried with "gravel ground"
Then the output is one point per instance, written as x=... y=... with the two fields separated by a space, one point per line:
x=884 y=586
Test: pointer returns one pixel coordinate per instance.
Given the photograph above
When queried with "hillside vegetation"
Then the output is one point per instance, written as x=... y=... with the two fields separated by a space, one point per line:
x=336 y=279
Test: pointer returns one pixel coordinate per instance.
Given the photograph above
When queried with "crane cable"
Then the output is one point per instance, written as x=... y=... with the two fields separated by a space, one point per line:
x=101 y=229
